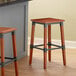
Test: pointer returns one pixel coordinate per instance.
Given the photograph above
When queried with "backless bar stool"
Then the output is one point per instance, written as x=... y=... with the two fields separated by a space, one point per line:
x=47 y=22
x=4 y=30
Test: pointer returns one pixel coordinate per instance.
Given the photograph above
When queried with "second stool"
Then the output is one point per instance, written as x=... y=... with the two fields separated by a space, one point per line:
x=4 y=30
x=47 y=22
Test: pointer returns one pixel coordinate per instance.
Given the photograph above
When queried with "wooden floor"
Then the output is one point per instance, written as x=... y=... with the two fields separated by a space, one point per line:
x=54 y=68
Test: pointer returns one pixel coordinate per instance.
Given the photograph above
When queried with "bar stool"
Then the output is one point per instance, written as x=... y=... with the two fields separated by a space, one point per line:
x=47 y=22
x=4 y=30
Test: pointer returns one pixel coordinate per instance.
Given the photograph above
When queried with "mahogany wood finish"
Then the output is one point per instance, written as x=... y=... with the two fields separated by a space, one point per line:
x=32 y=43
x=6 y=29
x=2 y=31
x=63 y=44
x=2 y=55
x=49 y=41
x=15 y=52
x=45 y=47
x=47 y=22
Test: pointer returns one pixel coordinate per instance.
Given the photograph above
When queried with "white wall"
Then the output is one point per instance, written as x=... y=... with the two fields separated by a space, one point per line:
x=63 y=9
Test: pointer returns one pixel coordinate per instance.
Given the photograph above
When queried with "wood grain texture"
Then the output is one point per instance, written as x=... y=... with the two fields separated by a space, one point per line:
x=54 y=68
x=6 y=29
x=47 y=20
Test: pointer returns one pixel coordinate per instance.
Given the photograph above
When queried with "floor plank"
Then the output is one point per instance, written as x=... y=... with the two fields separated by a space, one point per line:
x=54 y=68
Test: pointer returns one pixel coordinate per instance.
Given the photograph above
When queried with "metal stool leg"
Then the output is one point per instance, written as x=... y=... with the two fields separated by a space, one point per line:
x=2 y=55
x=45 y=46
x=32 y=42
x=15 y=53
x=63 y=43
x=49 y=42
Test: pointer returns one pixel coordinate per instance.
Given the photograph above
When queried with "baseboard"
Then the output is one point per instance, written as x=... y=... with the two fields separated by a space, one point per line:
x=68 y=44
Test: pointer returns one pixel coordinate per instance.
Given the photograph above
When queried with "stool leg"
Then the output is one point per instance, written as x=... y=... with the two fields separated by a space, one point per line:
x=31 y=44
x=2 y=55
x=49 y=42
x=15 y=53
x=45 y=46
x=63 y=43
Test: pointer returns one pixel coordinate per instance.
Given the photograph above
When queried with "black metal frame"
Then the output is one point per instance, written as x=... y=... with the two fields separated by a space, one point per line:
x=10 y=61
x=45 y=49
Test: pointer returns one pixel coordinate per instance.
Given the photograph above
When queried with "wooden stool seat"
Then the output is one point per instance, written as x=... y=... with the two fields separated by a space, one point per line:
x=6 y=29
x=47 y=20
